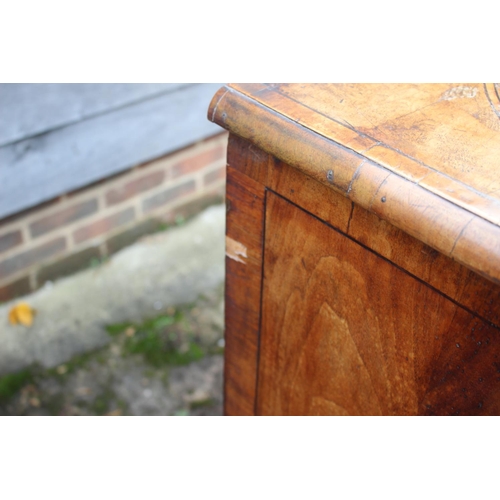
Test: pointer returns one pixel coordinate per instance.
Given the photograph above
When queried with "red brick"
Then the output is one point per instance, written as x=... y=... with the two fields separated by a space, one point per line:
x=63 y=217
x=103 y=226
x=197 y=162
x=10 y=240
x=29 y=211
x=214 y=175
x=35 y=255
x=168 y=195
x=15 y=289
x=134 y=187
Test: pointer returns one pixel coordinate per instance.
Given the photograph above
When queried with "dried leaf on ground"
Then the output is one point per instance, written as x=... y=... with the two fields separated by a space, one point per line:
x=22 y=314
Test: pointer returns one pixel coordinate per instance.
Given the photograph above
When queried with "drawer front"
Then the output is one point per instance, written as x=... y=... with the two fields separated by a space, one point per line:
x=346 y=332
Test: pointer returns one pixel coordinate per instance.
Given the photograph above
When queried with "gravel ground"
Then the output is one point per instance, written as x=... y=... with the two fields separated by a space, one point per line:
x=141 y=334
x=128 y=376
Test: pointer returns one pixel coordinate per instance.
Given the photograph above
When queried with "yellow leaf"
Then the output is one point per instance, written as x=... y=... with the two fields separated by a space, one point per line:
x=21 y=313
x=13 y=316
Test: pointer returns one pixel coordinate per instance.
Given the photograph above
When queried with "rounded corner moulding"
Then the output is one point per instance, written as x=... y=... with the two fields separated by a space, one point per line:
x=461 y=234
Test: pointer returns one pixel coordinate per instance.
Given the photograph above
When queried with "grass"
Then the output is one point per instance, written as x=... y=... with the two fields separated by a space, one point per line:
x=162 y=340
x=78 y=361
x=11 y=383
x=118 y=328
x=102 y=402
x=96 y=262
x=169 y=339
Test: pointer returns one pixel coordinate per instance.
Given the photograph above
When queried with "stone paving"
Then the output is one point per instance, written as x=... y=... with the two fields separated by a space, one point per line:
x=140 y=335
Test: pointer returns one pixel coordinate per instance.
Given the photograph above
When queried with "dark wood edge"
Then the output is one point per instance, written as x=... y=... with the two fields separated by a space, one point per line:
x=244 y=230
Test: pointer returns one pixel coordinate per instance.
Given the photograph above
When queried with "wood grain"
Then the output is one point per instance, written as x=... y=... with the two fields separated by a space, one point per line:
x=453 y=215
x=346 y=332
x=455 y=281
x=249 y=159
x=444 y=136
x=245 y=229
x=367 y=308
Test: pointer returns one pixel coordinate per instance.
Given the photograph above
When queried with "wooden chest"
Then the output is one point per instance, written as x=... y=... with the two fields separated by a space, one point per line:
x=363 y=249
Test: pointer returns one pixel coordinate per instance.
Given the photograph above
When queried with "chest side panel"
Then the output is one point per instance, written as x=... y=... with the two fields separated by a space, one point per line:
x=345 y=332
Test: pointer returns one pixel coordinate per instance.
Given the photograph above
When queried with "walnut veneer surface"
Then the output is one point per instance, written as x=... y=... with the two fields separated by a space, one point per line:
x=363 y=249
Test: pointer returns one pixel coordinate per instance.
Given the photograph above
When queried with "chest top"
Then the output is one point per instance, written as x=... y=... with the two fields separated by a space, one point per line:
x=423 y=157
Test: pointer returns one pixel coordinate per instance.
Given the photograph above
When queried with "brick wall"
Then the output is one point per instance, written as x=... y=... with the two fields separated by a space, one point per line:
x=83 y=227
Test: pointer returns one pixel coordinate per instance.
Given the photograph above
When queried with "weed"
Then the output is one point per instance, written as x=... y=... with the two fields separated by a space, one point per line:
x=118 y=328
x=163 y=340
x=97 y=262
x=76 y=362
x=11 y=383
x=94 y=262
x=181 y=413
x=159 y=349
x=179 y=220
x=122 y=405
x=163 y=226
x=202 y=404
x=102 y=403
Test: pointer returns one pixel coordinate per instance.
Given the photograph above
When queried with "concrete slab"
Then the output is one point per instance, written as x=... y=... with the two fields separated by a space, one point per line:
x=162 y=270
